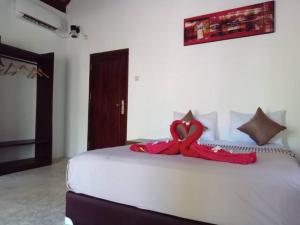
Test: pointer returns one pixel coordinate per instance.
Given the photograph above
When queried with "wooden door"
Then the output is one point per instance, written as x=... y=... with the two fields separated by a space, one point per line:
x=108 y=99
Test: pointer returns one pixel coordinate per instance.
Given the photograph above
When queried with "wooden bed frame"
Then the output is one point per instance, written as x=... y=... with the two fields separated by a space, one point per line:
x=87 y=210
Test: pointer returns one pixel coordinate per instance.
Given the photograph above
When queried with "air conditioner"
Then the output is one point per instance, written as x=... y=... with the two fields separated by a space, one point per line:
x=41 y=14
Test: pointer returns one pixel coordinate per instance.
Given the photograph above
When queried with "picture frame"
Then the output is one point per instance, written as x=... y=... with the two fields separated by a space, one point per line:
x=235 y=23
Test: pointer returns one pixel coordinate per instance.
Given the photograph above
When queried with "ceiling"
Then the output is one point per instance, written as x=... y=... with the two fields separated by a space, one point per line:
x=58 y=4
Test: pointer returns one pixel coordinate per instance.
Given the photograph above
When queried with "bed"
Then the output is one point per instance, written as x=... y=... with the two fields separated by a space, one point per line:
x=118 y=186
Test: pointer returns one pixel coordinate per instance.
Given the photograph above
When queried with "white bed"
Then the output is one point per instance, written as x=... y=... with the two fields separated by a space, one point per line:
x=264 y=193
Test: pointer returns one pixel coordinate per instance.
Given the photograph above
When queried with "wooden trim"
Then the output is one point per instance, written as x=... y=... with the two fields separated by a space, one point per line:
x=112 y=52
x=84 y=209
x=19 y=53
x=61 y=5
x=126 y=52
x=44 y=108
x=5 y=144
x=17 y=165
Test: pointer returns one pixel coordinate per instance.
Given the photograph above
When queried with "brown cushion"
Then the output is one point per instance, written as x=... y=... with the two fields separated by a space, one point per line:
x=181 y=130
x=188 y=117
x=261 y=128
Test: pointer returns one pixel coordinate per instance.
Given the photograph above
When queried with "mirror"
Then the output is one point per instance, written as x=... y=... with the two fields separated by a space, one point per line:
x=17 y=111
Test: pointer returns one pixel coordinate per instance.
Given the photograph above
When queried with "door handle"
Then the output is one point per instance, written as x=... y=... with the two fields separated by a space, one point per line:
x=122 y=107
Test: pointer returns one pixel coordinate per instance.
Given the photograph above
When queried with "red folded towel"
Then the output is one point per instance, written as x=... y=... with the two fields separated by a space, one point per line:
x=167 y=148
x=188 y=146
x=207 y=152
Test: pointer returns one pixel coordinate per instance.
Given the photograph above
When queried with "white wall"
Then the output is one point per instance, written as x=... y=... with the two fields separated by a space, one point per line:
x=239 y=74
x=24 y=35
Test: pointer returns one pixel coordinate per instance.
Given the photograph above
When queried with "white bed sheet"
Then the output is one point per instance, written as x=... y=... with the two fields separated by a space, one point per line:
x=264 y=193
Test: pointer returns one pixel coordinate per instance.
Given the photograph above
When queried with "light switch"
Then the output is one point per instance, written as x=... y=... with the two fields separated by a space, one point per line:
x=137 y=78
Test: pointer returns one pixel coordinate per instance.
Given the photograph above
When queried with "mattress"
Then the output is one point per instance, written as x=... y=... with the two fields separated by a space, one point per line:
x=264 y=193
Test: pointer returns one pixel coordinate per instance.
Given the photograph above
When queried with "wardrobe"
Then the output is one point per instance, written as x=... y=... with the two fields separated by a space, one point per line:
x=41 y=141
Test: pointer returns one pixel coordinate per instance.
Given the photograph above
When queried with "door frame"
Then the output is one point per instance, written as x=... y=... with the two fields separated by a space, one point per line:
x=109 y=53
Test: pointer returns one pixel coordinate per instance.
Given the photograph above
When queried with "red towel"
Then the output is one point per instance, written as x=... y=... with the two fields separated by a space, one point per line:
x=168 y=148
x=207 y=152
x=188 y=146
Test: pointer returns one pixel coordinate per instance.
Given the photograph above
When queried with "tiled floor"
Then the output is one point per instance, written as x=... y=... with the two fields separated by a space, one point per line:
x=34 y=197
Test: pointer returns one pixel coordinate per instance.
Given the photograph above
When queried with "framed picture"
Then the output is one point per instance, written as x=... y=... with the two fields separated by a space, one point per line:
x=235 y=23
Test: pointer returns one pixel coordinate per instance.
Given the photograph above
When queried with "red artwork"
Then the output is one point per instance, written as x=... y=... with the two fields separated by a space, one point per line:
x=234 y=23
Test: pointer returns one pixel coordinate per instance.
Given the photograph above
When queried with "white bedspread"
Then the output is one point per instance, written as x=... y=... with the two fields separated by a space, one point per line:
x=265 y=193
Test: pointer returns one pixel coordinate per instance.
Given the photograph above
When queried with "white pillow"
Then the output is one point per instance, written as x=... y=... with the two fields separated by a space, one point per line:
x=237 y=119
x=178 y=115
x=209 y=120
x=278 y=117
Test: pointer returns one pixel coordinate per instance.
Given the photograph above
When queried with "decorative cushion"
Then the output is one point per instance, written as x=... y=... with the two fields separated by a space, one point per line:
x=261 y=128
x=237 y=119
x=209 y=122
x=188 y=117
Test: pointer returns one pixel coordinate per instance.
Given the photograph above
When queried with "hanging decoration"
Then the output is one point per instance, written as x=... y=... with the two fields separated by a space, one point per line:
x=13 y=69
